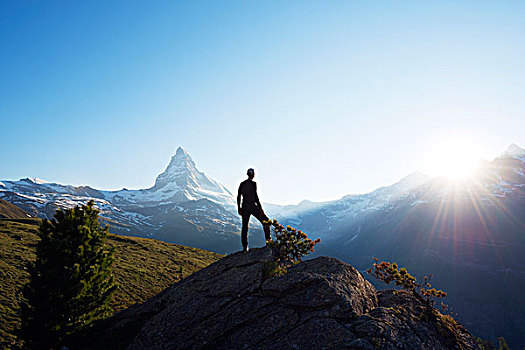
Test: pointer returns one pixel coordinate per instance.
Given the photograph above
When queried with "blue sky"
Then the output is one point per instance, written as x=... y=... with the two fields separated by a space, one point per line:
x=322 y=98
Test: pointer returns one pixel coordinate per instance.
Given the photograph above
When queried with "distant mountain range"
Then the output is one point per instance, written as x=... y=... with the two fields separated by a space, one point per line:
x=469 y=233
x=184 y=206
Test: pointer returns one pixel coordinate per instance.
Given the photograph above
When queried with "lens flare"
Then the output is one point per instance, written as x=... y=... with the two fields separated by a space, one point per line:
x=455 y=159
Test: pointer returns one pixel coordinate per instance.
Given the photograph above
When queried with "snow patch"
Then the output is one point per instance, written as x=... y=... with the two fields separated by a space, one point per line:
x=37 y=181
x=351 y=239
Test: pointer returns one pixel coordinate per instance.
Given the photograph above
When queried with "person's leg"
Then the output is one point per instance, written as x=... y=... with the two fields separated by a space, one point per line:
x=266 y=227
x=244 y=230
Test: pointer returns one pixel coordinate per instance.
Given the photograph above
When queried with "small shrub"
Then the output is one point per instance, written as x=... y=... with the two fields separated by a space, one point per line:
x=485 y=344
x=390 y=272
x=290 y=244
x=273 y=269
x=488 y=345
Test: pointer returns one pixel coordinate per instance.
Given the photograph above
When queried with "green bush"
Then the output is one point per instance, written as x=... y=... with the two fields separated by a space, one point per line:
x=273 y=269
x=290 y=244
x=390 y=272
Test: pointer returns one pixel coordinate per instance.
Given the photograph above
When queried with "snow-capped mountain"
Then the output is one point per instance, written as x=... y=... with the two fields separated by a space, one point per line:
x=184 y=205
x=180 y=182
x=469 y=233
x=514 y=151
x=501 y=178
x=324 y=217
x=182 y=195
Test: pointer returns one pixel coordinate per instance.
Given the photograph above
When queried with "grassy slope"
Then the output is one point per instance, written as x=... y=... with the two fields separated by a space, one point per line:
x=8 y=210
x=143 y=267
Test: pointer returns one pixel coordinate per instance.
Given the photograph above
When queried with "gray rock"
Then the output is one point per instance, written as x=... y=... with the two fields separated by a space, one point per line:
x=319 y=304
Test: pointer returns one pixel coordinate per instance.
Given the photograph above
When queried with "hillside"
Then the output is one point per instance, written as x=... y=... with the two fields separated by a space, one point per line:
x=322 y=303
x=11 y=211
x=143 y=267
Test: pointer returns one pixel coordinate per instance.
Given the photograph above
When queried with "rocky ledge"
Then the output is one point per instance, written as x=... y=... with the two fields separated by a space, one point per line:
x=322 y=303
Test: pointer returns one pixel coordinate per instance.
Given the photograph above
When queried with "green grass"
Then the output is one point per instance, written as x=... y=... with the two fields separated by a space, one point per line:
x=142 y=268
x=17 y=247
x=8 y=210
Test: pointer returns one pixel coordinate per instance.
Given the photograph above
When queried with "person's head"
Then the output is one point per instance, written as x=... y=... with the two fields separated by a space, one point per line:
x=250 y=173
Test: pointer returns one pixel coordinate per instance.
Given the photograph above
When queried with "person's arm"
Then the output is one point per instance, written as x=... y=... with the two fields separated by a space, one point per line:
x=239 y=193
x=257 y=199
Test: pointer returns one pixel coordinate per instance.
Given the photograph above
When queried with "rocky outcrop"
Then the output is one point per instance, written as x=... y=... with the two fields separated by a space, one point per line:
x=319 y=304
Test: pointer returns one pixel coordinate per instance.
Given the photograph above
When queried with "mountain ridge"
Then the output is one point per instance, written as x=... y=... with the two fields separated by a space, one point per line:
x=183 y=206
x=186 y=199
x=471 y=230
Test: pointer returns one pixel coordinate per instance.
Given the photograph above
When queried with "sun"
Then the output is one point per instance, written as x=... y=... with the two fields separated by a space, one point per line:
x=455 y=158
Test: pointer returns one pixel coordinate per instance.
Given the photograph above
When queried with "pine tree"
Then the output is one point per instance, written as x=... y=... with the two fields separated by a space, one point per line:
x=71 y=282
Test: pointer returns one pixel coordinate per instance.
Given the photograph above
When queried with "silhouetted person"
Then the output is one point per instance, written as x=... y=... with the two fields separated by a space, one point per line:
x=250 y=206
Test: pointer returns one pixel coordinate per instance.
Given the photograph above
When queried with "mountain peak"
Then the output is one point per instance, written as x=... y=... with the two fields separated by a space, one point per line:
x=412 y=180
x=34 y=180
x=181 y=158
x=182 y=179
x=182 y=152
x=415 y=176
x=181 y=167
x=514 y=151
